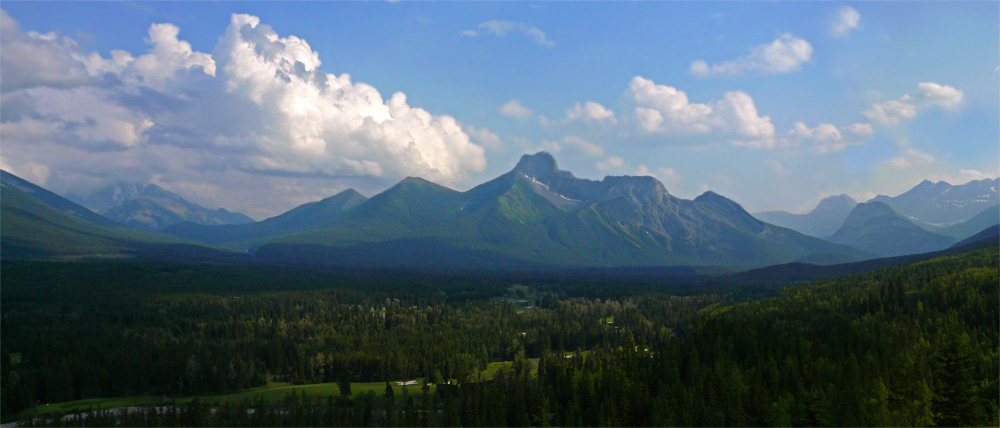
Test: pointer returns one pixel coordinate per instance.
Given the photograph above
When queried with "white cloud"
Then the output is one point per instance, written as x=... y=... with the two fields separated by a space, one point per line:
x=590 y=112
x=167 y=56
x=734 y=118
x=503 y=28
x=777 y=168
x=583 y=146
x=661 y=108
x=783 y=55
x=33 y=172
x=611 y=165
x=257 y=106
x=515 y=109
x=32 y=59
x=909 y=158
x=827 y=138
x=963 y=176
x=484 y=136
x=739 y=114
x=666 y=175
x=846 y=19
x=928 y=94
x=573 y=144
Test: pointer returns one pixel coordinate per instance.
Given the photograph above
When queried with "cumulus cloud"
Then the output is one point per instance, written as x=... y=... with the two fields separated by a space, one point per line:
x=485 y=137
x=503 y=28
x=257 y=106
x=590 y=112
x=928 y=94
x=515 y=109
x=827 y=138
x=846 y=19
x=33 y=60
x=661 y=108
x=783 y=55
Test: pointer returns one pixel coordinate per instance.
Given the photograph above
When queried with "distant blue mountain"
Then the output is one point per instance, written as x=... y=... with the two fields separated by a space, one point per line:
x=150 y=207
x=876 y=228
x=822 y=222
x=942 y=204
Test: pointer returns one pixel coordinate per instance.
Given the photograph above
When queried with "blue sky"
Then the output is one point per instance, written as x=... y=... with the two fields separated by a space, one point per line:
x=932 y=66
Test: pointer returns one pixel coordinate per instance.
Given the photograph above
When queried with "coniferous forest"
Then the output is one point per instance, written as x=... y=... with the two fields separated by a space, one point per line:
x=913 y=345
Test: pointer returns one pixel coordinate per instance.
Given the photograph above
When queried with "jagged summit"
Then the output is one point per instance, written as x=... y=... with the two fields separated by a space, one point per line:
x=537 y=165
x=536 y=213
x=941 y=204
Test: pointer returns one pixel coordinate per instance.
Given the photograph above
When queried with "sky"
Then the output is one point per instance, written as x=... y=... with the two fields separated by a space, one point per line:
x=260 y=107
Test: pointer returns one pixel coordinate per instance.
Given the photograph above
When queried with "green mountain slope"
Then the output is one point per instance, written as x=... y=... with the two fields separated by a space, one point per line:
x=241 y=237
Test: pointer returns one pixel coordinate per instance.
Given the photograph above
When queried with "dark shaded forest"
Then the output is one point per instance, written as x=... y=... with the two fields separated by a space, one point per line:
x=910 y=345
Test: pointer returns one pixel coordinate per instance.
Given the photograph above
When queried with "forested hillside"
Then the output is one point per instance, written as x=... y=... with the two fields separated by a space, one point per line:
x=912 y=345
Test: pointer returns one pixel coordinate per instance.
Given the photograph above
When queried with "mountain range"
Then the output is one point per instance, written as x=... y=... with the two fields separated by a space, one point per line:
x=539 y=215
x=535 y=216
x=150 y=207
x=941 y=204
x=822 y=222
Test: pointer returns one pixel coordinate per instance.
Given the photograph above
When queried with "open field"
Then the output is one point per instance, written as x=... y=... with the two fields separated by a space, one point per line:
x=272 y=392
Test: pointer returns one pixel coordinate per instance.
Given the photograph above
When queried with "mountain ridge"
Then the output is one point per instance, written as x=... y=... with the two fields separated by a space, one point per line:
x=942 y=204
x=537 y=213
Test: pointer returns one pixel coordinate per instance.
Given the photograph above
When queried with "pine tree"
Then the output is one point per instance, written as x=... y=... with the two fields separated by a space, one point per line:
x=955 y=399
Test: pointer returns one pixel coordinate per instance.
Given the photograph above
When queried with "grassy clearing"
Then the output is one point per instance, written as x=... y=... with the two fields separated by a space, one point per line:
x=272 y=392
x=492 y=369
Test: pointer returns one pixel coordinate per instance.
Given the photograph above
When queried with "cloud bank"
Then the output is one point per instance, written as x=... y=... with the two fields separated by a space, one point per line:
x=257 y=105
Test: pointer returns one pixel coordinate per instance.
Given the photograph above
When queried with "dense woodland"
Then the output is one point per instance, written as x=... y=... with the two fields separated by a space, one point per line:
x=912 y=345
